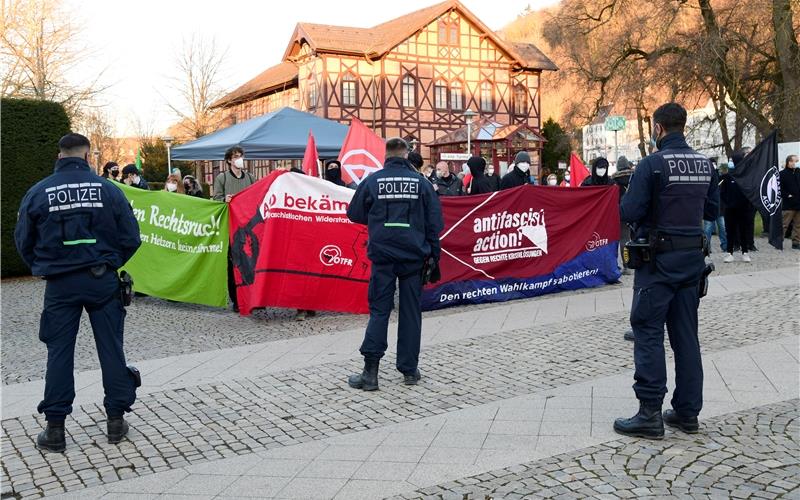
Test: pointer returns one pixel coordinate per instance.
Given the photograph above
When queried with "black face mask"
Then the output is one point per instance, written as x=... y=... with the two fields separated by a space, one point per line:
x=333 y=174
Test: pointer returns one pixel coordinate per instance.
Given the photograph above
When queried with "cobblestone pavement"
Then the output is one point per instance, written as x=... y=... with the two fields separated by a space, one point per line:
x=748 y=454
x=207 y=422
x=156 y=328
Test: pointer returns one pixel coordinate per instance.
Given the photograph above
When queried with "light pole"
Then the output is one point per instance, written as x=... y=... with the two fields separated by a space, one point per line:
x=468 y=116
x=168 y=141
x=96 y=154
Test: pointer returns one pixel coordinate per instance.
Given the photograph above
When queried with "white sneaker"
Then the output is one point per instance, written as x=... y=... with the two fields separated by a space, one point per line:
x=728 y=258
x=746 y=257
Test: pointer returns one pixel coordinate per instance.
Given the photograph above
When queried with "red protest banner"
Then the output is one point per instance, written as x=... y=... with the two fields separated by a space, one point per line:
x=293 y=246
x=524 y=242
x=362 y=153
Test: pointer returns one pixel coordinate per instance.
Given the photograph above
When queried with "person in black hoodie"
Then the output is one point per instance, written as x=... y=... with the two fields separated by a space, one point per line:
x=494 y=179
x=333 y=172
x=479 y=183
x=737 y=211
x=519 y=175
x=790 y=193
x=599 y=175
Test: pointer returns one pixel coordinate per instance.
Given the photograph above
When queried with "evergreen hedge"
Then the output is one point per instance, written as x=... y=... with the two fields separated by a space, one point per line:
x=29 y=134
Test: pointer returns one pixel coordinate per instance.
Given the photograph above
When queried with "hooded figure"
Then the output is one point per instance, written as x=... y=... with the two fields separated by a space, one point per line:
x=192 y=187
x=599 y=175
x=415 y=159
x=520 y=174
x=333 y=172
x=623 y=175
x=479 y=183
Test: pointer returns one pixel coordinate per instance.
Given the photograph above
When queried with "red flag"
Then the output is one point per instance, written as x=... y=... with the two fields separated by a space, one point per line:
x=577 y=170
x=362 y=153
x=311 y=157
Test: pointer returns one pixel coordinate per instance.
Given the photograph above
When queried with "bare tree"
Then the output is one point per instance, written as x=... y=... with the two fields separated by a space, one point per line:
x=199 y=65
x=97 y=127
x=39 y=45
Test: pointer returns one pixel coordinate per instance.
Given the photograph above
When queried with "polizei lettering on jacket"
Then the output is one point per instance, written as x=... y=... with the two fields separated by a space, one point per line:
x=509 y=236
x=398 y=188
x=69 y=196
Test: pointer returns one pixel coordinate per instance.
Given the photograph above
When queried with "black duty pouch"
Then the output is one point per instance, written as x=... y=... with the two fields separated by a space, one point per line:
x=431 y=272
x=702 y=286
x=125 y=288
x=637 y=253
x=135 y=375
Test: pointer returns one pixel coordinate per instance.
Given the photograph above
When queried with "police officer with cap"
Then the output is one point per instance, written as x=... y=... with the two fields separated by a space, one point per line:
x=76 y=229
x=404 y=219
x=670 y=194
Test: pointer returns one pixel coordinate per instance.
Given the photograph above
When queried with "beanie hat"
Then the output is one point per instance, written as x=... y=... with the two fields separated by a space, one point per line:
x=415 y=159
x=333 y=163
x=522 y=157
x=476 y=162
x=623 y=164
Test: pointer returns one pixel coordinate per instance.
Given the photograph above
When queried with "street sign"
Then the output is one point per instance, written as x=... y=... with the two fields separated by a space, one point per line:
x=615 y=123
x=562 y=165
x=455 y=156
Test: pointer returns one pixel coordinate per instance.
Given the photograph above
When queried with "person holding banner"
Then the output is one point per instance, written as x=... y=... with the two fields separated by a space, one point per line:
x=790 y=193
x=672 y=191
x=75 y=229
x=404 y=219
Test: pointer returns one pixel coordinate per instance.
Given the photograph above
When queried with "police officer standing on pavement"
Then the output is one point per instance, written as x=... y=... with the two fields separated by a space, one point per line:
x=404 y=219
x=672 y=191
x=75 y=229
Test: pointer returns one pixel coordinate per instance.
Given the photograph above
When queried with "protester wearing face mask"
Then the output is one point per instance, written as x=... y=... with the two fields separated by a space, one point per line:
x=494 y=179
x=599 y=175
x=737 y=212
x=174 y=184
x=566 y=181
x=447 y=184
x=552 y=180
x=131 y=177
x=520 y=174
x=226 y=184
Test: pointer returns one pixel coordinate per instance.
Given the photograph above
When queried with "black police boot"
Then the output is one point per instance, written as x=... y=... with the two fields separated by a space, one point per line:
x=688 y=425
x=367 y=380
x=645 y=424
x=629 y=335
x=52 y=438
x=117 y=429
x=412 y=379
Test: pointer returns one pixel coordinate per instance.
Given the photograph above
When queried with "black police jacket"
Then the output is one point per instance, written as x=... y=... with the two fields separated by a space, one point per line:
x=75 y=219
x=402 y=214
x=689 y=191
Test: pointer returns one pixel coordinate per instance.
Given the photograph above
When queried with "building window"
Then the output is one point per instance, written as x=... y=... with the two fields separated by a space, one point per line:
x=409 y=91
x=456 y=96
x=440 y=94
x=520 y=100
x=487 y=100
x=349 y=96
x=448 y=32
x=313 y=95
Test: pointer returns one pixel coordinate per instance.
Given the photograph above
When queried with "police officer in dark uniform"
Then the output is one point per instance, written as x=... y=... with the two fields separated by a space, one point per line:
x=669 y=196
x=404 y=219
x=76 y=229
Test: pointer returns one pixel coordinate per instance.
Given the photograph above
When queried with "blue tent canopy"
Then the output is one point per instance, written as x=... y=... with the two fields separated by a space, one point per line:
x=280 y=135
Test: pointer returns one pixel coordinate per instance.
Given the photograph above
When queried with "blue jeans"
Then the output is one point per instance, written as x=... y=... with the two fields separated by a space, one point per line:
x=708 y=228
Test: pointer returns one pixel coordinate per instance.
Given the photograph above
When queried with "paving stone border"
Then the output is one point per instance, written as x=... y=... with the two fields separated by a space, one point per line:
x=753 y=453
x=174 y=428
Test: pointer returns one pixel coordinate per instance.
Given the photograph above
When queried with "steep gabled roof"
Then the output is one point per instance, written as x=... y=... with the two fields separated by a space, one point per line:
x=275 y=77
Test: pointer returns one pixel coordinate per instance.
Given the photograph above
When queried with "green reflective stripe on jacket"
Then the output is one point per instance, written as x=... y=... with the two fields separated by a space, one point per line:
x=396 y=224
x=80 y=242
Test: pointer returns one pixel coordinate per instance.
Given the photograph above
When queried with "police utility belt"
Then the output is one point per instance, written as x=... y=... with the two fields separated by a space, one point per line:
x=639 y=252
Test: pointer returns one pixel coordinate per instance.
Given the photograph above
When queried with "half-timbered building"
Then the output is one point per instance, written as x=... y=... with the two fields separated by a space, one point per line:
x=412 y=77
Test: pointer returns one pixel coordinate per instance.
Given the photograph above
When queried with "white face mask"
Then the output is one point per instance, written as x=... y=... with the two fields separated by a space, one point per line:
x=566 y=178
x=172 y=187
x=490 y=171
x=601 y=172
x=134 y=179
x=552 y=182
x=465 y=168
x=524 y=166
x=239 y=163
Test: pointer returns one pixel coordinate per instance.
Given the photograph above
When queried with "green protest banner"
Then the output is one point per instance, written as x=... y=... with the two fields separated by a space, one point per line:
x=184 y=249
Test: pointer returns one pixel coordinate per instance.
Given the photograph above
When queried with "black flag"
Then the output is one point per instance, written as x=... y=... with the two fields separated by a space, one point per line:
x=757 y=176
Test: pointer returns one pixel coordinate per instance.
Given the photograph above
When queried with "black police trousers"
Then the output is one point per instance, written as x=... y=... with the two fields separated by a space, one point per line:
x=381 y=302
x=65 y=298
x=668 y=294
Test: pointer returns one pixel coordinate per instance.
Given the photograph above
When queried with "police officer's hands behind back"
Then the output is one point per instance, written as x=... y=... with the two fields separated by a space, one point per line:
x=431 y=272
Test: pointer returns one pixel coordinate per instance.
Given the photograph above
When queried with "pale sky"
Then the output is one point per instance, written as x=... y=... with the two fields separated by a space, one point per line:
x=137 y=42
